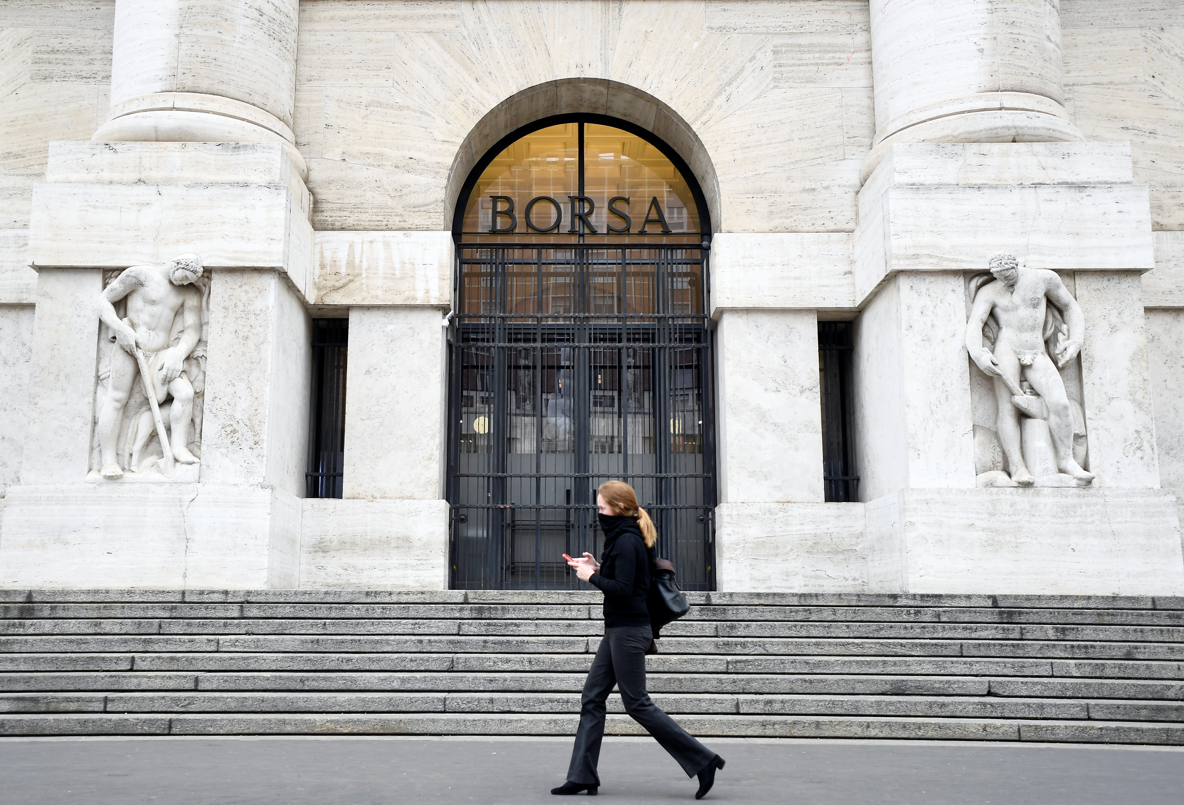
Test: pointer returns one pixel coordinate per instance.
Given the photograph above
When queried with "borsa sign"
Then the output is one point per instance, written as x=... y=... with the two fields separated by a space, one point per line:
x=504 y=220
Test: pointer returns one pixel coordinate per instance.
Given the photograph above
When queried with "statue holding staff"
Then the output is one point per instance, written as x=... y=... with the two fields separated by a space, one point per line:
x=154 y=297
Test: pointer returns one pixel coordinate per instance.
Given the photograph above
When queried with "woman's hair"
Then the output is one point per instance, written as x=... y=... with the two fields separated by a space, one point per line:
x=623 y=500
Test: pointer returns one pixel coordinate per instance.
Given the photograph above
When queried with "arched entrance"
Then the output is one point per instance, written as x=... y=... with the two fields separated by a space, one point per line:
x=580 y=352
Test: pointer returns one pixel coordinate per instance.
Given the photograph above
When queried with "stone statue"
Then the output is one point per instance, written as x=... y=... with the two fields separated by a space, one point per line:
x=156 y=345
x=1015 y=313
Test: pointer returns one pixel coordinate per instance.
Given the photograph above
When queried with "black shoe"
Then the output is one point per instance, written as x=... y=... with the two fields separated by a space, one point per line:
x=707 y=776
x=569 y=788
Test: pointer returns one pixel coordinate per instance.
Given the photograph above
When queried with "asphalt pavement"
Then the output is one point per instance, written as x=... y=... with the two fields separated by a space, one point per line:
x=376 y=771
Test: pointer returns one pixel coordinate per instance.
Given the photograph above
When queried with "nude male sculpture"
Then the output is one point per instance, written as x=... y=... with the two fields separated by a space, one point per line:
x=1018 y=301
x=155 y=295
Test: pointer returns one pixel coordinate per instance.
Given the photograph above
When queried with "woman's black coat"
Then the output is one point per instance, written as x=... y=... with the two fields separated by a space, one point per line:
x=624 y=575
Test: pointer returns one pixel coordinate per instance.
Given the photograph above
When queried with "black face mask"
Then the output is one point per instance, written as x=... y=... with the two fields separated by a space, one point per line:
x=610 y=523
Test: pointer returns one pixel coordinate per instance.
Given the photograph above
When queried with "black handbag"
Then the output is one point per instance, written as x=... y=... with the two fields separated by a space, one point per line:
x=665 y=602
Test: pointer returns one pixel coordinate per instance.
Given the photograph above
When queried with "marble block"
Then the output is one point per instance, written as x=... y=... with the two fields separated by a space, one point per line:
x=781 y=270
x=16 y=336
x=383 y=268
x=770 y=417
x=112 y=205
x=913 y=413
x=62 y=377
x=395 y=403
x=153 y=163
x=257 y=382
x=119 y=225
x=1164 y=287
x=374 y=545
x=1048 y=213
x=176 y=536
x=1165 y=354
x=1026 y=541
x=18 y=282
x=1116 y=387
x=790 y=547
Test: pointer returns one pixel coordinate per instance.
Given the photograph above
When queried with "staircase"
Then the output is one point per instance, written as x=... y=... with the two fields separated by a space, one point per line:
x=937 y=667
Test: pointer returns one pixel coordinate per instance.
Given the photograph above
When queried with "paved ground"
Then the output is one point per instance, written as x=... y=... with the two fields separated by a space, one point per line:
x=369 y=771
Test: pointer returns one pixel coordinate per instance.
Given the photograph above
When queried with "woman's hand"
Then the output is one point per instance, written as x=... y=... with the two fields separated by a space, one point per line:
x=585 y=566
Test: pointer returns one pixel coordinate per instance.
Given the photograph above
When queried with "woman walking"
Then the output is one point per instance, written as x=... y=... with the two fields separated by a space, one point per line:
x=623 y=575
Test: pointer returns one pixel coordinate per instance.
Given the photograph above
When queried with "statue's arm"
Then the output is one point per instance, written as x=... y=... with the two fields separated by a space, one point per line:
x=192 y=317
x=123 y=285
x=1059 y=295
x=979 y=311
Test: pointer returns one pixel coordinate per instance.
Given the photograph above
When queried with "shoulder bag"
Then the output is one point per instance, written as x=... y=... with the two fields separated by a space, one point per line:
x=666 y=602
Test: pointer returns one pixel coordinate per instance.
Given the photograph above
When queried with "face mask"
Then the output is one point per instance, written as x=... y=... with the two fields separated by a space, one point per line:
x=608 y=521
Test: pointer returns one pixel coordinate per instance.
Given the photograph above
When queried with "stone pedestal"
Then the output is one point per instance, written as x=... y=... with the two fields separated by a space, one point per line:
x=173 y=536
x=1025 y=541
x=234 y=519
x=931 y=216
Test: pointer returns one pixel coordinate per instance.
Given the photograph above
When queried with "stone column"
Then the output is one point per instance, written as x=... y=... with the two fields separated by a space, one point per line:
x=204 y=71
x=985 y=71
x=390 y=531
x=197 y=157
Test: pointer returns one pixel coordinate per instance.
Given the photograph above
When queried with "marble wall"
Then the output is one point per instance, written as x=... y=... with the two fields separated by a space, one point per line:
x=55 y=80
x=779 y=93
x=1124 y=80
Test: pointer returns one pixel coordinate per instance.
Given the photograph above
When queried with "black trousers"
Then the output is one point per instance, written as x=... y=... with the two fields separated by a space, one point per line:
x=620 y=661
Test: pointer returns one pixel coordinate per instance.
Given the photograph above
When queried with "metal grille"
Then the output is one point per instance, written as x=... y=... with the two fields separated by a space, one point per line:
x=326 y=438
x=838 y=446
x=573 y=365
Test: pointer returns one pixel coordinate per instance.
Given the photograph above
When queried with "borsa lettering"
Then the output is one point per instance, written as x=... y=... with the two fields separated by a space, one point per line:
x=544 y=215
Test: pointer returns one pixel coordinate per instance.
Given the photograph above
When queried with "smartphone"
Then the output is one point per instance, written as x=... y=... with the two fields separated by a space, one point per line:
x=568 y=558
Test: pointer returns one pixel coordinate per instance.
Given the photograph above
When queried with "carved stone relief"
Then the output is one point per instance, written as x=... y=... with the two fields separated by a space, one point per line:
x=150 y=396
x=1023 y=336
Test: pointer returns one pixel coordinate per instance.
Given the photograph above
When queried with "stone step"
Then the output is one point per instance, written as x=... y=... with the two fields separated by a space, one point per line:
x=1075 y=669
x=468 y=612
x=94 y=644
x=592 y=597
x=706 y=725
x=498 y=682
x=901 y=685
x=579 y=663
x=945 y=707
x=42 y=635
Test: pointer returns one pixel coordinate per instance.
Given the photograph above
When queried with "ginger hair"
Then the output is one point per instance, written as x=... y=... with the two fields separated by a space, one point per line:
x=621 y=498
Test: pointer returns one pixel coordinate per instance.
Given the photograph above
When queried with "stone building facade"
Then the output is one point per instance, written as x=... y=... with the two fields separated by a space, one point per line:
x=838 y=178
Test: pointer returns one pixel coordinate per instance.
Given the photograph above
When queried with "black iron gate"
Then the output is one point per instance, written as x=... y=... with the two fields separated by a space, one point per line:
x=572 y=365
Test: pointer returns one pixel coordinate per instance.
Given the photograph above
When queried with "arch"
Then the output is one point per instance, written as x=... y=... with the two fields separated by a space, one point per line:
x=617 y=103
